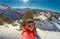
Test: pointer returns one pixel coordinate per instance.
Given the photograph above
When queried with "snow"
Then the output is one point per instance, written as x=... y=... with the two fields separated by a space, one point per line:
x=45 y=31
x=58 y=26
x=56 y=23
x=45 y=24
x=56 y=20
x=48 y=30
x=48 y=34
x=11 y=33
x=59 y=18
x=42 y=17
x=3 y=7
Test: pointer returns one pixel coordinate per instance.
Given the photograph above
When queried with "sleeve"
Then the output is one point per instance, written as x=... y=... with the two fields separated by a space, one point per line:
x=25 y=36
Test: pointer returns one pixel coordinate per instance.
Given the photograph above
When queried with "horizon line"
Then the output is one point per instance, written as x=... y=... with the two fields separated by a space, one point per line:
x=34 y=8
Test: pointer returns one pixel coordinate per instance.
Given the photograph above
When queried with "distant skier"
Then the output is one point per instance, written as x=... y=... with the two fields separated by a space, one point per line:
x=29 y=31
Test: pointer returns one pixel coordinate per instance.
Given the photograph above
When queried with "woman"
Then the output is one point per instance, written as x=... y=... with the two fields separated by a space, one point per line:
x=29 y=31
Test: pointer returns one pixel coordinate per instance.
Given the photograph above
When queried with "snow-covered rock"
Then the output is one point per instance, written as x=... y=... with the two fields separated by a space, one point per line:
x=3 y=7
x=42 y=17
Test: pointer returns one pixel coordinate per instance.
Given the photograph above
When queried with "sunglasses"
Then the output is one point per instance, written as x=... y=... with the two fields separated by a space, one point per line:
x=30 y=25
x=30 y=21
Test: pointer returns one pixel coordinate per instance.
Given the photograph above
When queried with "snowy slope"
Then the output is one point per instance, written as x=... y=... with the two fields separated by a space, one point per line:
x=48 y=34
x=9 y=32
x=57 y=25
x=45 y=31
x=59 y=18
x=44 y=24
x=12 y=33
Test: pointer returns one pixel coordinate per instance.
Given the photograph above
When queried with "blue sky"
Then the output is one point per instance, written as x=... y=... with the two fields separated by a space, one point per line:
x=53 y=5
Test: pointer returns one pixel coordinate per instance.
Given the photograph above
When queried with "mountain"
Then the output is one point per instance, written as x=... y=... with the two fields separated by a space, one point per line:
x=3 y=20
x=23 y=10
x=3 y=7
x=8 y=12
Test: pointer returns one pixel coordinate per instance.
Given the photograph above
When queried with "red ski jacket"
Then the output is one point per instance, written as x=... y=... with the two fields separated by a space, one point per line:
x=26 y=34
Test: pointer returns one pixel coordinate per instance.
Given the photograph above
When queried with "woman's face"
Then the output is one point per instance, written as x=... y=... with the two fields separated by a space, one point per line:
x=30 y=26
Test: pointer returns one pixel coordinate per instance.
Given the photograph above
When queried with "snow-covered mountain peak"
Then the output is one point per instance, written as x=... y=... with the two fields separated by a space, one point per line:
x=2 y=7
